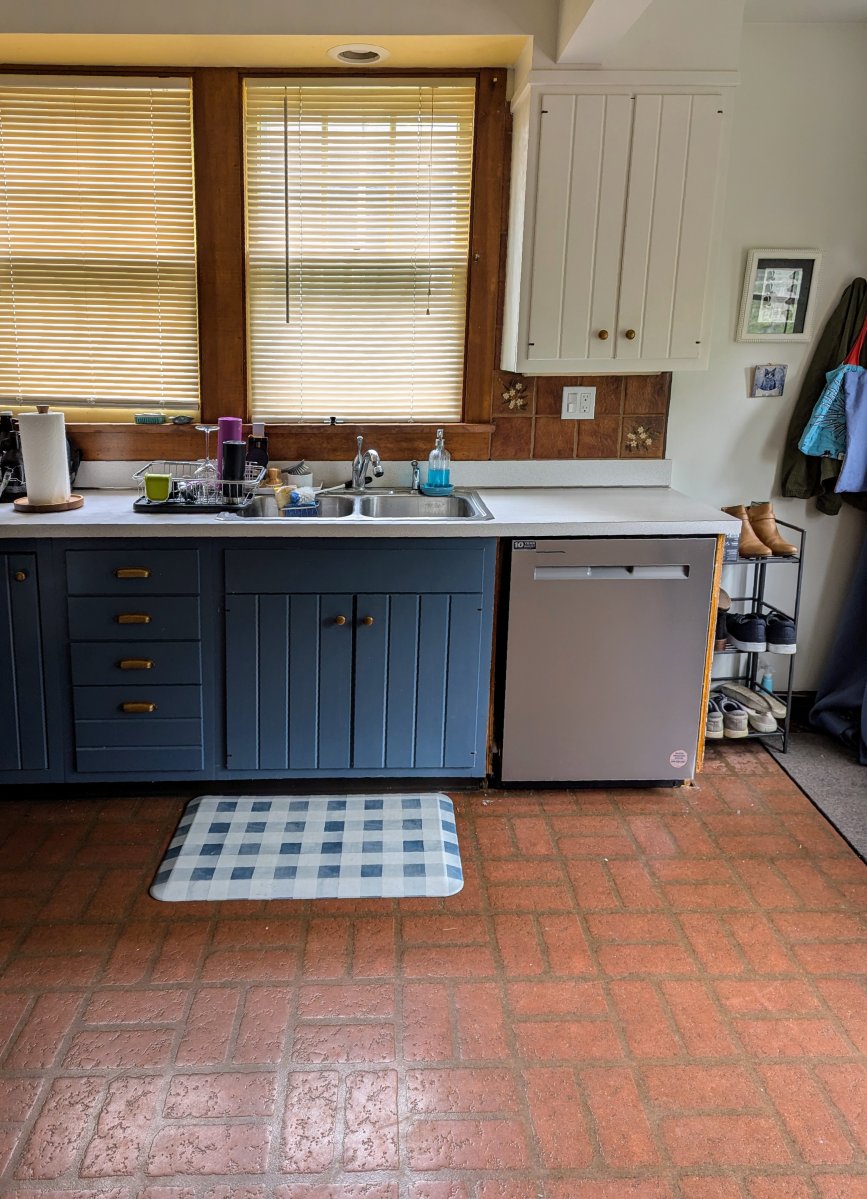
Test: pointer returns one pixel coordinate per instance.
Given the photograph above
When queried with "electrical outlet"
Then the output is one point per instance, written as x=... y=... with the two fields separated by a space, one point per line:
x=579 y=403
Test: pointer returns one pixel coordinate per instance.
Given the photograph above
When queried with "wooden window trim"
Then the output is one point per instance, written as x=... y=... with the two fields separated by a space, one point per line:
x=220 y=236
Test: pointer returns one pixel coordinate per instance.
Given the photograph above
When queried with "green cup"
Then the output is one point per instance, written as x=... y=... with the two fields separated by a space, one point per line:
x=158 y=487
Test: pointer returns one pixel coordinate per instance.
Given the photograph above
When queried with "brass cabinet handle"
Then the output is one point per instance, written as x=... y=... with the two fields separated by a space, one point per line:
x=132 y=572
x=138 y=707
x=629 y=335
x=132 y=618
x=20 y=576
x=368 y=620
x=602 y=334
x=340 y=620
x=135 y=664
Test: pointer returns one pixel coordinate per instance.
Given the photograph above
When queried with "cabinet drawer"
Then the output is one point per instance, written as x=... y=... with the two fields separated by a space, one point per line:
x=106 y=703
x=132 y=571
x=99 y=663
x=144 y=763
x=341 y=567
x=136 y=734
x=107 y=619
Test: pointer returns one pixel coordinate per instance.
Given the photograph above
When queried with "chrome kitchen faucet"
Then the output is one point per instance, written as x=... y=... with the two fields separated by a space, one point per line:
x=361 y=462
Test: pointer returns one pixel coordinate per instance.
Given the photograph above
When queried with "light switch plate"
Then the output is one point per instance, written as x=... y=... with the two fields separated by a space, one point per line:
x=579 y=403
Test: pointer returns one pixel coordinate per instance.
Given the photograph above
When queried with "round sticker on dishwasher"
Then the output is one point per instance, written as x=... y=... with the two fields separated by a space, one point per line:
x=679 y=758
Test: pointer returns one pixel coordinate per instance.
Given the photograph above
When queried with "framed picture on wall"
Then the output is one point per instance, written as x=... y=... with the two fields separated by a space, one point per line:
x=779 y=290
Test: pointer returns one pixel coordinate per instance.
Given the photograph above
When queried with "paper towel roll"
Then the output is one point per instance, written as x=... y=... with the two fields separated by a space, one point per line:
x=46 y=468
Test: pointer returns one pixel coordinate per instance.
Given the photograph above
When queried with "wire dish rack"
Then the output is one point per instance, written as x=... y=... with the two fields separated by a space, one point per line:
x=191 y=489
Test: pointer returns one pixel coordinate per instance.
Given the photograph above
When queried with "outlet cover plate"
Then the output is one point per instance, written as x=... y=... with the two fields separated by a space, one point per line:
x=579 y=403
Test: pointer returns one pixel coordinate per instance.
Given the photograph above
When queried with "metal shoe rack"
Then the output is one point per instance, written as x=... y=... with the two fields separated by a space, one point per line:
x=756 y=602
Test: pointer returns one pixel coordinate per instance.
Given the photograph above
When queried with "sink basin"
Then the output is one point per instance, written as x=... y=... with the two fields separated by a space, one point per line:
x=331 y=506
x=421 y=507
x=383 y=505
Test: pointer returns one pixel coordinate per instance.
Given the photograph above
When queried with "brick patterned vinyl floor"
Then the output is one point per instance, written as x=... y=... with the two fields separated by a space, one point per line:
x=638 y=995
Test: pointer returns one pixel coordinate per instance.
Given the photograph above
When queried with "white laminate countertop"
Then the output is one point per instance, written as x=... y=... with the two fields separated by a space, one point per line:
x=517 y=512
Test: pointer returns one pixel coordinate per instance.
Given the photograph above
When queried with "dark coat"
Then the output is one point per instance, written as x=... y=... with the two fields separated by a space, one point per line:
x=804 y=476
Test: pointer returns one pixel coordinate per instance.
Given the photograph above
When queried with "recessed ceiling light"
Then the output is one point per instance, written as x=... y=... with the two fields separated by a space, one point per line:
x=358 y=54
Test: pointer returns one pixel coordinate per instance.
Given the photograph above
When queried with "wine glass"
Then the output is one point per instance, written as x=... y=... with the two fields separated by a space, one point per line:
x=208 y=469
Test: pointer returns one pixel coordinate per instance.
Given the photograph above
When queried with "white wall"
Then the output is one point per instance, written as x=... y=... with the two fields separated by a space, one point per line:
x=797 y=178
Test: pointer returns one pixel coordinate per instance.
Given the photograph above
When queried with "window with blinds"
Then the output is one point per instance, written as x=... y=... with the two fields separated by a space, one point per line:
x=358 y=214
x=97 y=244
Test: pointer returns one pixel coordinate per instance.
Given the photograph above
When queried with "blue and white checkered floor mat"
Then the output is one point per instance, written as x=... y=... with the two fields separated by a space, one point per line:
x=312 y=847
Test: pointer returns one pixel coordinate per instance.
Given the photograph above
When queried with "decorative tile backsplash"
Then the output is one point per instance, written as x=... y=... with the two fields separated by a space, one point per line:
x=630 y=418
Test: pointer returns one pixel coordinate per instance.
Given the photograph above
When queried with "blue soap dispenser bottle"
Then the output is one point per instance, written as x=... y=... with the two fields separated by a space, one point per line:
x=439 y=464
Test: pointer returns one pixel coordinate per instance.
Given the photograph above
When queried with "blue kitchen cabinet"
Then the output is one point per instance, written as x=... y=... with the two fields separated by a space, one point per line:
x=23 y=713
x=329 y=680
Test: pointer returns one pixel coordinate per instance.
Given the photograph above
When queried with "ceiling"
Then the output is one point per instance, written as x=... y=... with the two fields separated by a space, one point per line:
x=806 y=10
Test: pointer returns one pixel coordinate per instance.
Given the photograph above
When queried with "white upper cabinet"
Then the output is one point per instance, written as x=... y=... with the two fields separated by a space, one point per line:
x=610 y=232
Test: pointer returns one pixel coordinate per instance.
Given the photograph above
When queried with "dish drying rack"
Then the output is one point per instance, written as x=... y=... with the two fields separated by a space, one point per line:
x=192 y=491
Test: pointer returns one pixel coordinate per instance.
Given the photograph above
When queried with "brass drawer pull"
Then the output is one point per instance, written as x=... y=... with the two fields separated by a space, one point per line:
x=629 y=335
x=132 y=572
x=340 y=620
x=368 y=620
x=602 y=334
x=133 y=618
x=135 y=664
x=20 y=576
x=138 y=707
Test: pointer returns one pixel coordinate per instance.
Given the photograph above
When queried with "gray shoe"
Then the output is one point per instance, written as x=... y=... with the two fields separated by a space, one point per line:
x=714 y=726
x=735 y=718
x=756 y=701
x=762 y=722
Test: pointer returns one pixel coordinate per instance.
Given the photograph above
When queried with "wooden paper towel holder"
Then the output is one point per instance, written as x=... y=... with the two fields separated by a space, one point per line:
x=24 y=505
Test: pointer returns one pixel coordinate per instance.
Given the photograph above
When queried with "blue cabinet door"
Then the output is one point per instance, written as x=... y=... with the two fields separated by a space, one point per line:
x=289 y=682
x=369 y=683
x=417 y=681
x=23 y=739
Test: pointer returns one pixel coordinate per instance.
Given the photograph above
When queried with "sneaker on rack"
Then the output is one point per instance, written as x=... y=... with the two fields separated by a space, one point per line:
x=747 y=631
x=761 y=722
x=714 y=726
x=781 y=634
x=735 y=718
x=755 y=700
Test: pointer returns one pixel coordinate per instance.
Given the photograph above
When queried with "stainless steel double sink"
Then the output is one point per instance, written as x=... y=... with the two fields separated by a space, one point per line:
x=375 y=505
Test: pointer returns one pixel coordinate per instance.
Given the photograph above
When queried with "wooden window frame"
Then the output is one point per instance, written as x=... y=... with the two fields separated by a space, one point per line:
x=220 y=259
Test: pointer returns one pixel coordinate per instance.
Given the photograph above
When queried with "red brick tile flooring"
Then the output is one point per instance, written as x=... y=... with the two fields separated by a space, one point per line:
x=638 y=995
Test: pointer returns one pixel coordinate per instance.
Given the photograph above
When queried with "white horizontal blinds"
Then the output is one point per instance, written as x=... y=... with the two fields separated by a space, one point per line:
x=97 y=244
x=358 y=212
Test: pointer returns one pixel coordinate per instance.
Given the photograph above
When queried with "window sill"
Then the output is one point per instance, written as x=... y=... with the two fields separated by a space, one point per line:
x=319 y=443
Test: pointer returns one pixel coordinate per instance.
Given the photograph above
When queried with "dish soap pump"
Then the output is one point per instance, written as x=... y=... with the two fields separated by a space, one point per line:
x=439 y=464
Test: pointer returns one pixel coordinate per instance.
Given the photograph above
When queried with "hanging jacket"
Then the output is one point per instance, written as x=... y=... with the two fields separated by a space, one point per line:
x=801 y=476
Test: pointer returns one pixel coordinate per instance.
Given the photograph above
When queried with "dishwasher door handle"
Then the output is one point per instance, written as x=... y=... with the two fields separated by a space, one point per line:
x=595 y=574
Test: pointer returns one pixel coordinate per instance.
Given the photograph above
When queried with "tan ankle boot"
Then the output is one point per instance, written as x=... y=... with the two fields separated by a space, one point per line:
x=764 y=525
x=749 y=545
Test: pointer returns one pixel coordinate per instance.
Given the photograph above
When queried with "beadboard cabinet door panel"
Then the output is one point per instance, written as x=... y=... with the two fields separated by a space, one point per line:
x=23 y=725
x=613 y=265
x=666 y=243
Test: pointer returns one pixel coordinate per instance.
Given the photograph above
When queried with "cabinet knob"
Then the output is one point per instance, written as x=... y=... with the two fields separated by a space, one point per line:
x=132 y=572
x=629 y=335
x=368 y=620
x=602 y=334
x=135 y=664
x=132 y=618
x=138 y=707
x=340 y=620
x=20 y=576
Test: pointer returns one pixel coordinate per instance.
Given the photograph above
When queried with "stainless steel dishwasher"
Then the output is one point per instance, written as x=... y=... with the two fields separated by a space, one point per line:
x=605 y=658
